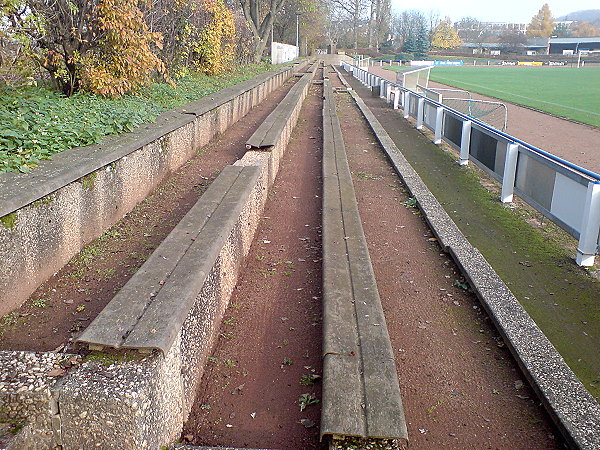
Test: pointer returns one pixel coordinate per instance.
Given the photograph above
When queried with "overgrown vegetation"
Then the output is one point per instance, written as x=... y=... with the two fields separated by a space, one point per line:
x=38 y=122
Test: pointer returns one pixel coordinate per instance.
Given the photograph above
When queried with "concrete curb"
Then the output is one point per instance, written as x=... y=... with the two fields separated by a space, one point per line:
x=134 y=401
x=573 y=409
x=361 y=393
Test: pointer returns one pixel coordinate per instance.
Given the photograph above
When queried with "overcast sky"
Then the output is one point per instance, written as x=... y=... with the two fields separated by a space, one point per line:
x=520 y=11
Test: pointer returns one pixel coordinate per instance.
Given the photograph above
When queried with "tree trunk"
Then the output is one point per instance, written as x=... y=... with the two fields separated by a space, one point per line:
x=261 y=29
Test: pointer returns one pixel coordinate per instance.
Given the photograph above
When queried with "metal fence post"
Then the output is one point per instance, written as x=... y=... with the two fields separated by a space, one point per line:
x=439 y=117
x=420 y=112
x=590 y=227
x=510 y=171
x=465 y=143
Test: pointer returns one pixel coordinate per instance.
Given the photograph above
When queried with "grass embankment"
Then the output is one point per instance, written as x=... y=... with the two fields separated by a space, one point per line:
x=567 y=92
x=36 y=122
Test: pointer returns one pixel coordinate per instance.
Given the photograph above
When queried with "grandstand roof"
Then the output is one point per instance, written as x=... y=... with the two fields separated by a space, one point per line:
x=574 y=40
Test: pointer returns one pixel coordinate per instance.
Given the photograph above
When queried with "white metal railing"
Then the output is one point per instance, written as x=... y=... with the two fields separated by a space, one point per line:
x=567 y=194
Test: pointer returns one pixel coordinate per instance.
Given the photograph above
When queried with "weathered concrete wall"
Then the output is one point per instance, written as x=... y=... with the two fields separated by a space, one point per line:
x=50 y=214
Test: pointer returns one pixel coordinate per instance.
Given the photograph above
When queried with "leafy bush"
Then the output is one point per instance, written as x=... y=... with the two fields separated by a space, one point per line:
x=36 y=123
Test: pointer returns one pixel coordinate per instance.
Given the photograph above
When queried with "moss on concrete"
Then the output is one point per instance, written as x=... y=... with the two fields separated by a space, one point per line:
x=111 y=357
x=9 y=220
x=89 y=181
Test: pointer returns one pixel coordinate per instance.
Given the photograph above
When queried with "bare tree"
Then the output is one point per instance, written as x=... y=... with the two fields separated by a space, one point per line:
x=260 y=15
x=355 y=10
x=379 y=21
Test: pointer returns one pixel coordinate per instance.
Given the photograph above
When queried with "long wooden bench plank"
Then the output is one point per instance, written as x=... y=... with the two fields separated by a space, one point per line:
x=349 y=283
x=341 y=361
x=164 y=268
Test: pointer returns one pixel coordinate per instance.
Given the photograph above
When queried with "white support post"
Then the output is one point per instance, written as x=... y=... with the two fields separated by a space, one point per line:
x=396 y=97
x=590 y=227
x=439 y=118
x=420 y=112
x=465 y=143
x=405 y=104
x=510 y=172
x=388 y=92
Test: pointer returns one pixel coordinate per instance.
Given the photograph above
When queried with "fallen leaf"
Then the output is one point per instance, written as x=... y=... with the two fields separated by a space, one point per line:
x=307 y=423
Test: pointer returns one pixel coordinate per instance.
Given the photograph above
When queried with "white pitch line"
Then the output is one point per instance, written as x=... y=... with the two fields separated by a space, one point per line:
x=522 y=96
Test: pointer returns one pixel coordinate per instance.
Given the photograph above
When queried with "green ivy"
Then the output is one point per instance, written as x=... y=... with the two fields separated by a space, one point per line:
x=36 y=123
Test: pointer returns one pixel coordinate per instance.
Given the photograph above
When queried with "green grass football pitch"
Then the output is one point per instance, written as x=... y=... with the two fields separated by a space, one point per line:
x=568 y=92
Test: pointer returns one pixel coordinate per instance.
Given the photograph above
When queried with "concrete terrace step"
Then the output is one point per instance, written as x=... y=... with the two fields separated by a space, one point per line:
x=361 y=395
x=171 y=309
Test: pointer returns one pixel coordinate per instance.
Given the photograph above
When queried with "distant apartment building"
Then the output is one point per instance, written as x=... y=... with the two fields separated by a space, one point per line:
x=491 y=28
x=503 y=27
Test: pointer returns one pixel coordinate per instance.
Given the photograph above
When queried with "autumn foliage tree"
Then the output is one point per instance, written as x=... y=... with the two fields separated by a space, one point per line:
x=585 y=29
x=542 y=24
x=197 y=34
x=445 y=35
x=101 y=45
x=214 y=49
x=122 y=59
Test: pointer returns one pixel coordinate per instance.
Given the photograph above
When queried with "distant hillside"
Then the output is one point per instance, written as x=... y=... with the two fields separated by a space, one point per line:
x=588 y=15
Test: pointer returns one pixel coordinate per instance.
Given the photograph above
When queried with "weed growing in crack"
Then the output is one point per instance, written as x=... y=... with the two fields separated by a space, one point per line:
x=306 y=400
x=40 y=302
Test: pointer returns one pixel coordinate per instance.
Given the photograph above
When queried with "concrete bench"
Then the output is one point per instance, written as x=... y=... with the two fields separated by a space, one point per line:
x=149 y=311
x=361 y=394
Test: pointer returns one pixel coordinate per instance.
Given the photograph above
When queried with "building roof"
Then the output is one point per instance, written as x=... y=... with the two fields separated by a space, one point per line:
x=574 y=40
